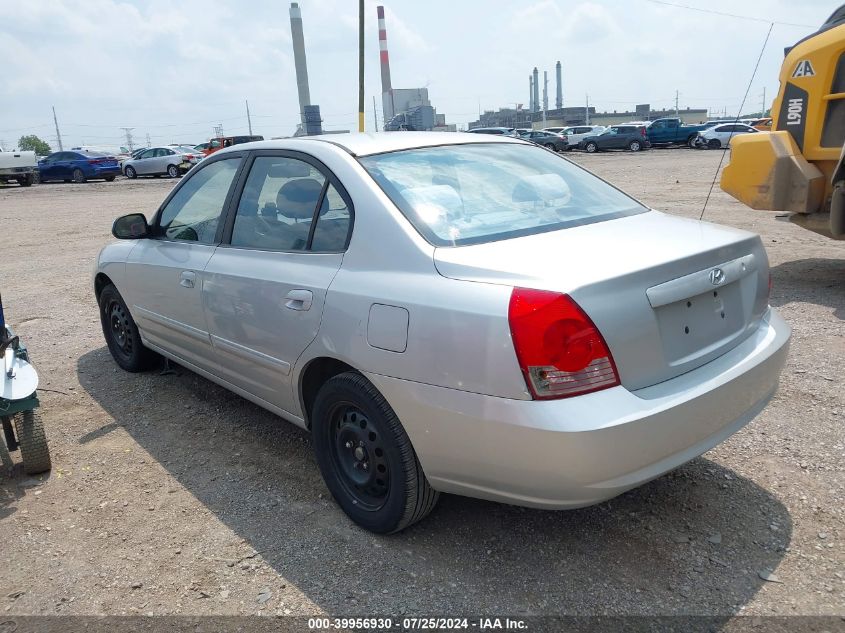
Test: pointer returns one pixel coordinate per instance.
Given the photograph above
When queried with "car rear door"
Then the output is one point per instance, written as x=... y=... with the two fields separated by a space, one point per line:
x=265 y=286
x=164 y=275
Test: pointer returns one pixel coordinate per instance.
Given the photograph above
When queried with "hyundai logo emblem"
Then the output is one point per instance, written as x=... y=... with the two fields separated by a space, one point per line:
x=717 y=276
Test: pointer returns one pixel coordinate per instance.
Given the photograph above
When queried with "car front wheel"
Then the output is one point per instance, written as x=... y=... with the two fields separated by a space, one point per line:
x=121 y=332
x=591 y=148
x=366 y=457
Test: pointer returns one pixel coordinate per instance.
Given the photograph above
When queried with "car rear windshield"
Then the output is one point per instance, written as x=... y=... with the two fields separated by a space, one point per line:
x=470 y=194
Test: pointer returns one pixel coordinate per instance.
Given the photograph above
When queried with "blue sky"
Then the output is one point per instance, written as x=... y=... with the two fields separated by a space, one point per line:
x=174 y=70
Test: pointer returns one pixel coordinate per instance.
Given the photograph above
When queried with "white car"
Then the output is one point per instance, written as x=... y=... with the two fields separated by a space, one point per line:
x=577 y=133
x=157 y=161
x=721 y=135
x=449 y=313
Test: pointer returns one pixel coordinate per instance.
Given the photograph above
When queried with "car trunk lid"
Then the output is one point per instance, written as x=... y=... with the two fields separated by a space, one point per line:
x=668 y=294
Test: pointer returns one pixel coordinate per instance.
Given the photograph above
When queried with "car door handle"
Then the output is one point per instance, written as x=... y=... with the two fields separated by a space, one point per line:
x=187 y=278
x=299 y=299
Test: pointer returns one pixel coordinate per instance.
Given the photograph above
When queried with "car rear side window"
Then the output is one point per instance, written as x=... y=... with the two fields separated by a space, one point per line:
x=278 y=204
x=193 y=213
x=469 y=194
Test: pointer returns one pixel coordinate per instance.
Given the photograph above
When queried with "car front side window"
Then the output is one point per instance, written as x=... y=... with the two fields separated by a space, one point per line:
x=193 y=213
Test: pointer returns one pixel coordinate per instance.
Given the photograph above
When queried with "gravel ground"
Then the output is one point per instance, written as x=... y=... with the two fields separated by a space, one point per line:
x=170 y=495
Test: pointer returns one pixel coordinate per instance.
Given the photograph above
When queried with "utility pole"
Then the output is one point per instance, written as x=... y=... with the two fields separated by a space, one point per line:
x=545 y=95
x=676 y=103
x=375 y=116
x=148 y=139
x=763 y=109
x=248 y=118
x=218 y=130
x=587 y=111
x=128 y=132
x=361 y=65
x=58 y=134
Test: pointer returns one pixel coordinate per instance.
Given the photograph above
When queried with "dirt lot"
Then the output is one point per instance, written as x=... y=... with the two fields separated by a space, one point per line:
x=170 y=495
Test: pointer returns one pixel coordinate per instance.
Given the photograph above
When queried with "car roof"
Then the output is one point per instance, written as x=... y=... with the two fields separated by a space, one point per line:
x=375 y=143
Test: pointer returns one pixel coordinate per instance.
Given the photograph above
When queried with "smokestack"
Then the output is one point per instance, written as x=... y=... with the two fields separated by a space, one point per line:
x=299 y=59
x=530 y=93
x=559 y=98
x=545 y=90
x=386 y=87
x=536 y=92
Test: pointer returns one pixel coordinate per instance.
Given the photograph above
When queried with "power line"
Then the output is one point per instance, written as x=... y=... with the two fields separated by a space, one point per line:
x=730 y=15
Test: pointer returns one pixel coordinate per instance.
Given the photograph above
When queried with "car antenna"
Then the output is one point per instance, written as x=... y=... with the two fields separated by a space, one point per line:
x=738 y=114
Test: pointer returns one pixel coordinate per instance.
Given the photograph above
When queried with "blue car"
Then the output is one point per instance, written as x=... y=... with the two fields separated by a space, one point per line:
x=78 y=166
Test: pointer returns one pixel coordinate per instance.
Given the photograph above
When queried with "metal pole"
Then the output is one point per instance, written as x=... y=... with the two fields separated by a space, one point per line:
x=587 y=110
x=375 y=116
x=58 y=135
x=763 y=109
x=676 y=103
x=248 y=118
x=361 y=65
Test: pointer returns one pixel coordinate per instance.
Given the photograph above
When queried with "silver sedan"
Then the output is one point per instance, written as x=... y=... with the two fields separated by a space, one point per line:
x=449 y=313
x=158 y=161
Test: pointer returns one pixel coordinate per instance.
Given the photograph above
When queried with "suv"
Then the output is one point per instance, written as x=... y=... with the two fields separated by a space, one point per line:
x=578 y=132
x=227 y=141
x=632 y=137
x=501 y=131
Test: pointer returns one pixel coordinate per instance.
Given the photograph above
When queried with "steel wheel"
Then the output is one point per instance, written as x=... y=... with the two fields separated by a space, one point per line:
x=118 y=326
x=359 y=456
x=172 y=171
x=121 y=333
x=78 y=176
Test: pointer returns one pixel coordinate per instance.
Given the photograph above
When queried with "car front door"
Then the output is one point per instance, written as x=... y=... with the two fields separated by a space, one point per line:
x=265 y=289
x=164 y=275
x=143 y=164
x=63 y=167
x=47 y=168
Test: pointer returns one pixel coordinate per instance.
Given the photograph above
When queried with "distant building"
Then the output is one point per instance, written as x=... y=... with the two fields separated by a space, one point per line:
x=562 y=117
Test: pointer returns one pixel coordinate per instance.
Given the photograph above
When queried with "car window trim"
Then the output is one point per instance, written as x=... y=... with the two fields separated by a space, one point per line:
x=232 y=210
x=155 y=224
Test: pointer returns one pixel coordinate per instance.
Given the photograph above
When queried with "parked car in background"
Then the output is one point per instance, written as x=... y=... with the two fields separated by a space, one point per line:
x=228 y=141
x=554 y=130
x=525 y=332
x=673 y=131
x=17 y=165
x=721 y=135
x=497 y=131
x=632 y=137
x=158 y=161
x=78 y=166
x=576 y=133
x=549 y=140
x=762 y=125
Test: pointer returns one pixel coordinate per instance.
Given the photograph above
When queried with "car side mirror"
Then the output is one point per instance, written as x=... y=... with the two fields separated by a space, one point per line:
x=131 y=227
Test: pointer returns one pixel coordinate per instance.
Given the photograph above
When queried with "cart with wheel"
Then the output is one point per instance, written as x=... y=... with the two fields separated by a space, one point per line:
x=22 y=426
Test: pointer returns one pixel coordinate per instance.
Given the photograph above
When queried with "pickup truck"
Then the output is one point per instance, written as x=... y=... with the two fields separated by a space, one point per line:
x=19 y=166
x=671 y=131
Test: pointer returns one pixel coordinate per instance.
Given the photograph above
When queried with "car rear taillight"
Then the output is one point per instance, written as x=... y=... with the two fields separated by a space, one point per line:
x=95 y=161
x=188 y=157
x=643 y=132
x=559 y=349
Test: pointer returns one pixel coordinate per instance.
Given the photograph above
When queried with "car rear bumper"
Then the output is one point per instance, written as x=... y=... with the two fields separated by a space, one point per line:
x=579 y=451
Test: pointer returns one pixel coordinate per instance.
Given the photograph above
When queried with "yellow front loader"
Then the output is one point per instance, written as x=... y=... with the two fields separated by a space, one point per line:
x=798 y=166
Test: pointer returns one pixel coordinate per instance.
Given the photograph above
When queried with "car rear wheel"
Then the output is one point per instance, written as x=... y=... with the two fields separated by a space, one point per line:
x=130 y=172
x=121 y=333
x=635 y=146
x=78 y=175
x=550 y=146
x=27 y=180
x=590 y=148
x=366 y=457
x=173 y=171
x=714 y=143
x=109 y=178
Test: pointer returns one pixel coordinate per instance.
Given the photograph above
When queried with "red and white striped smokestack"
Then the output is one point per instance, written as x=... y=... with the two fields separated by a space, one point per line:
x=386 y=88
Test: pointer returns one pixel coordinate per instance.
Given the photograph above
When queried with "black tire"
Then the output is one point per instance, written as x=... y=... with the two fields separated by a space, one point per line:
x=109 y=178
x=173 y=171
x=78 y=175
x=691 y=141
x=27 y=180
x=591 y=148
x=35 y=453
x=366 y=457
x=121 y=333
x=714 y=143
x=635 y=146
x=550 y=146
x=130 y=172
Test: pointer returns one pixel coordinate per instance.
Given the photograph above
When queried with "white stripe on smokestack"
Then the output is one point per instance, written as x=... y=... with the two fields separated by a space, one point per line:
x=386 y=87
x=299 y=59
